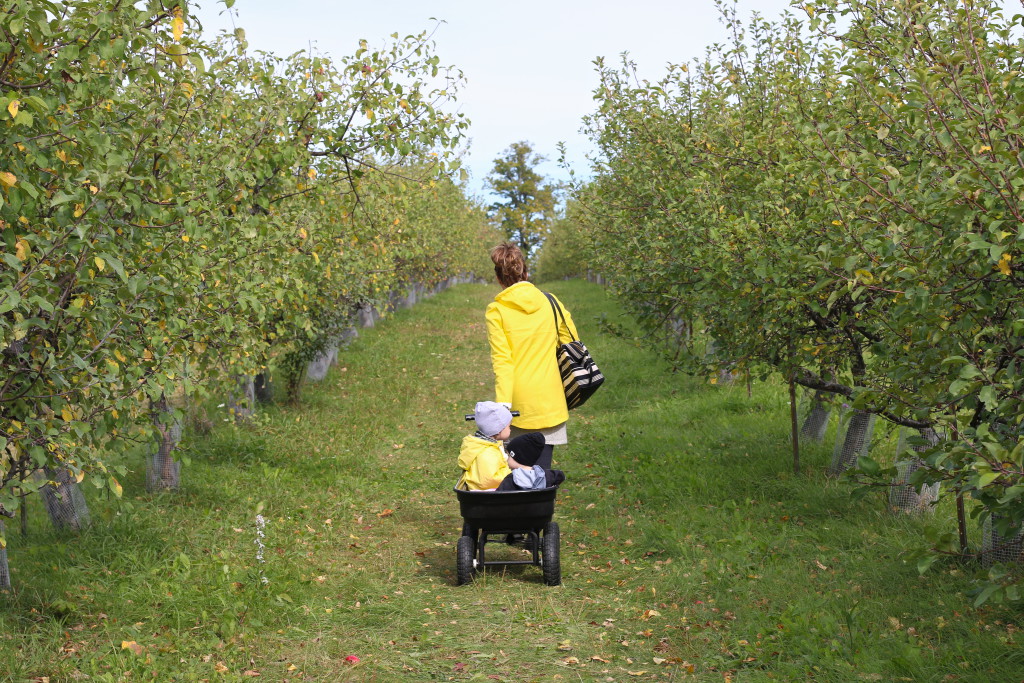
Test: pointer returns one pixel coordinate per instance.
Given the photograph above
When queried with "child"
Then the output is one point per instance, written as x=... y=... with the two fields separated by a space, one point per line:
x=482 y=458
x=523 y=453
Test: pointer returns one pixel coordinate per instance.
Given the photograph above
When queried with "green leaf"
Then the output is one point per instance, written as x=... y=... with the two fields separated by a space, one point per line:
x=867 y=465
x=925 y=563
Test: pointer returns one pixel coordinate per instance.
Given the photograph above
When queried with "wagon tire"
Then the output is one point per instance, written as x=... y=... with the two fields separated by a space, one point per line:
x=466 y=551
x=550 y=555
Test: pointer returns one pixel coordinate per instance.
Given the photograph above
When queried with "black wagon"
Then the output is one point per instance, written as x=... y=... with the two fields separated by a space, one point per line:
x=490 y=516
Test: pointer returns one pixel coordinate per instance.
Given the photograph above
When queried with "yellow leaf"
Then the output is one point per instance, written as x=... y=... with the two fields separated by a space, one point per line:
x=118 y=491
x=147 y=354
x=984 y=148
x=8 y=179
x=1004 y=264
x=177 y=25
x=100 y=263
x=79 y=210
x=93 y=189
x=302 y=233
x=316 y=257
x=62 y=155
x=184 y=238
x=13 y=107
x=188 y=89
x=133 y=646
x=79 y=477
x=120 y=356
x=403 y=104
x=22 y=250
x=311 y=173
x=65 y=412
x=369 y=114
x=864 y=276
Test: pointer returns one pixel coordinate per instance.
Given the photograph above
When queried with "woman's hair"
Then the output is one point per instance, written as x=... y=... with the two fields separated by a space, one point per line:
x=509 y=264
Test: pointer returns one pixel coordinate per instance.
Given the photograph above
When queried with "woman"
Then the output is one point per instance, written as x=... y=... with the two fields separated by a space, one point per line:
x=523 y=336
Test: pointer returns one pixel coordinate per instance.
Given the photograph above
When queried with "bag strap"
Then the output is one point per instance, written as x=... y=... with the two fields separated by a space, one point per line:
x=556 y=310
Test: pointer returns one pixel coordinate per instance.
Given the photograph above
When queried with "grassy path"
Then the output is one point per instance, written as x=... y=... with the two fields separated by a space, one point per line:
x=689 y=550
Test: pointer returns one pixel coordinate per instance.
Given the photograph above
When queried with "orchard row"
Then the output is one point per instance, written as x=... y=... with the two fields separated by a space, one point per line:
x=178 y=212
x=837 y=198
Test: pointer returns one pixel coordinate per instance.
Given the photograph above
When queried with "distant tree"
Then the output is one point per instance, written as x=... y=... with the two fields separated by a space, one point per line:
x=525 y=207
x=565 y=252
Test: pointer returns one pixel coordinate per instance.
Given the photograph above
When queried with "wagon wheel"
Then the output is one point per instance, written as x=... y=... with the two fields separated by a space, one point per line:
x=468 y=530
x=465 y=558
x=550 y=555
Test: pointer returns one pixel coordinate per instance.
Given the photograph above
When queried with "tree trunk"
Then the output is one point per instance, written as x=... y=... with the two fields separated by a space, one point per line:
x=816 y=422
x=242 y=400
x=902 y=496
x=5 y=573
x=852 y=442
x=163 y=472
x=63 y=500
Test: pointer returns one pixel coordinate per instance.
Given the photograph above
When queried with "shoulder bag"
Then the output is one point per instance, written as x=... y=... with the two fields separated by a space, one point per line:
x=580 y=375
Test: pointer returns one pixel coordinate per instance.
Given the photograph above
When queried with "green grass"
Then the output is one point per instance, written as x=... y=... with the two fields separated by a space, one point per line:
x=690 y=551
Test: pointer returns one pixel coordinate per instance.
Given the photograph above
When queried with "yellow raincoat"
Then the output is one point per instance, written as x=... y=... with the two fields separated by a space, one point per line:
x=483 y=463
x=521 y=332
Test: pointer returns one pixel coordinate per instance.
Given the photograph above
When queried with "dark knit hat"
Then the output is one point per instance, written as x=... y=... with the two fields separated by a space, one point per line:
x=526 y=448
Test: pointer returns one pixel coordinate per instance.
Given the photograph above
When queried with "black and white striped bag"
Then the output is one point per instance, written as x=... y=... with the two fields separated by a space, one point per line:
x=580 y=375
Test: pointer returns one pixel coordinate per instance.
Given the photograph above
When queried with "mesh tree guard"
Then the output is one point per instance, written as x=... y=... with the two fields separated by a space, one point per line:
x=853 y=439
x=242 y=400
x=321 y=363
x=367 y=315
x=1007 y=546
x=817 y=415
x=902 y=496
x=63 y=500
x=5 y=573
x=163 y=472
x=724 y=375
x=263 y=388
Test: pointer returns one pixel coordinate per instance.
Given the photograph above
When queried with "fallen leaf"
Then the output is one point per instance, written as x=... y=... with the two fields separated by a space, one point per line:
x=386 y=512
x=252 y=673
x=133 y=646
x=352 y=659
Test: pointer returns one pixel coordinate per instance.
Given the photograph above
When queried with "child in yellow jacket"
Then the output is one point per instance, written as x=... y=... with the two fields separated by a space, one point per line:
x=482 y=458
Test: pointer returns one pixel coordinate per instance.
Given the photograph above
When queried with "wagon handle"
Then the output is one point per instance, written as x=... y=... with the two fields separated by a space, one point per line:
x=471 y=416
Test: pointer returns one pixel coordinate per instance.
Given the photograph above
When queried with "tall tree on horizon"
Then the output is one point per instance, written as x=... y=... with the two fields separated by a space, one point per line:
x=525 y=208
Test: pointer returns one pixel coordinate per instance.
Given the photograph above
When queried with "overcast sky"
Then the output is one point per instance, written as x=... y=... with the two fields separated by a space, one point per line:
x=528 y=63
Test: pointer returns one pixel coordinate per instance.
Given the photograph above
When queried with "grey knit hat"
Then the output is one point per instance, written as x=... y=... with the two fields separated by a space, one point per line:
x=491 y=418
